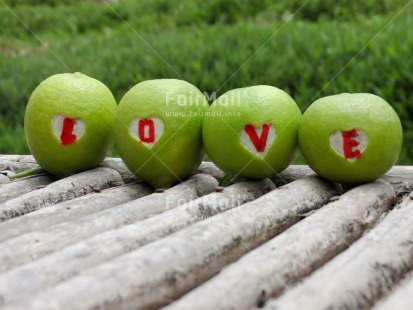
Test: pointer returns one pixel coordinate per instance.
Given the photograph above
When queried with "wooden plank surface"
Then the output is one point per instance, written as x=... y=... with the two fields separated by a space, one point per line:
x=65 y=189
x=401 y=298
x=16 y=163
x=35 y=244
x=165 y=269
x=72 y=209
x=103 y=239
x=4 y=179
x=401 y=177
x=363 y=273
x=289 y=257
x=19 y=187
x=48 y=270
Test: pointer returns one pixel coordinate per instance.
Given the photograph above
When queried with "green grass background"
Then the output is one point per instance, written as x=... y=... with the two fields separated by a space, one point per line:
x=310 y=49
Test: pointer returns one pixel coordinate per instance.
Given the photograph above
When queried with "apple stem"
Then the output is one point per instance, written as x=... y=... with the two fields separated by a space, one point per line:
x=27 y=173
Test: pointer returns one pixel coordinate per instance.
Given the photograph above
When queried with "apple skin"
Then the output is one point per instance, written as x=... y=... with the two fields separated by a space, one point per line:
x=179 y=106
x=254 y=106
x=79 y=97
x=364 y=112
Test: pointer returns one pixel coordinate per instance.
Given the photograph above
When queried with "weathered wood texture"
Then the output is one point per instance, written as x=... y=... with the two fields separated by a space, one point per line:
x=401 y=177
x=163 y=270
x=210 y=169
x=103 y=239
x=293 y=254
x=65 y=189
x=72 y=209
x=118 y=165
x=35 y=244
x=4 y=179
x=16 y=163
x=90 y=252
x=358 y=276
x=19 y=187
x=401 y=298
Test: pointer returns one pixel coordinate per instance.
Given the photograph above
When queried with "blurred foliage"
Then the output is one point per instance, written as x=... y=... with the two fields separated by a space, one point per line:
x=309 y=49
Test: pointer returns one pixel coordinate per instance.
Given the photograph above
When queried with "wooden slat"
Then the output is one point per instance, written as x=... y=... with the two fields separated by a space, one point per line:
x=19 y=187
x=19 y=163
x=401 y=177
x=401 y=298
x=119 y=166
x=267 y=270
x=292 y=173
x=360 y=275
x=61 y=265
x=65 y=189
x=72 y=209
x=35 y=244
x=4 y=179
x=16 y=163
x=121 y=250
x=211 y=169
x=165 y=269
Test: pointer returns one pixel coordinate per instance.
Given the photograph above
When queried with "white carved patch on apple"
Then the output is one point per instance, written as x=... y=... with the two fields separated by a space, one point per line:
x=258 y=140
x=68 y=130
x=349 y=144
x=147 y=131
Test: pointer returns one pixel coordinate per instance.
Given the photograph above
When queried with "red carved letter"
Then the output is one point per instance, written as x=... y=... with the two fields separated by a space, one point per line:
x=259 y=142
x=349 y=143
x=67 y=137
x=149 y=135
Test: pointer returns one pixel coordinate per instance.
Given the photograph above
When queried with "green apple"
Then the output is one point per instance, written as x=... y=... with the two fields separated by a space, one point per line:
x=252 y=131
x=350 y=138
x=68 y=123
x=158 y=130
